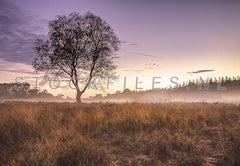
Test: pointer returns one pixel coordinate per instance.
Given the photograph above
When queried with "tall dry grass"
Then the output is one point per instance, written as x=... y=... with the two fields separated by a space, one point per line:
x=119 y=134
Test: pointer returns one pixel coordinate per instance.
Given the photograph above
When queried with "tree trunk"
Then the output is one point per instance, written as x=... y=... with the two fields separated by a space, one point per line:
x=78 y=97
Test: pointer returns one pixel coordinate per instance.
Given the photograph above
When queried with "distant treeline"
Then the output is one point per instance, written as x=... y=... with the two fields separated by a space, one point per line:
x=212 y=84
x=12 y=90
x=230 y=83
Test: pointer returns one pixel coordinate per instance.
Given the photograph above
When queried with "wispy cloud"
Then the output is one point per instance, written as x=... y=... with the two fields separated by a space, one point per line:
x=132 y=44
x=200 y=71
x=127 y=43
x=17 y=71
x=18 y=31
x=147 y=55
x=15 y=67
x=139 y=71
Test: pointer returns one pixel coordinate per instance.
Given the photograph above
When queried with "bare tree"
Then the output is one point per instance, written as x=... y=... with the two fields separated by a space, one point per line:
x=79 y=47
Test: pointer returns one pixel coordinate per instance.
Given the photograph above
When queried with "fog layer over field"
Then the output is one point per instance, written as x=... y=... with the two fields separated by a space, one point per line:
x=172 y=96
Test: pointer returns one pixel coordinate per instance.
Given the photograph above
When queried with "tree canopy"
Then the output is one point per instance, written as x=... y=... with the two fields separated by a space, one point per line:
x=80 y=47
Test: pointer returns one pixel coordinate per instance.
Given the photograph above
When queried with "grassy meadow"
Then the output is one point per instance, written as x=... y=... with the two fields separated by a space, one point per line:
x=119 y=134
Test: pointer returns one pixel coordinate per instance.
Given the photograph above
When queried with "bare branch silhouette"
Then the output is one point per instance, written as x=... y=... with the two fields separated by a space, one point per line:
x=79 y=47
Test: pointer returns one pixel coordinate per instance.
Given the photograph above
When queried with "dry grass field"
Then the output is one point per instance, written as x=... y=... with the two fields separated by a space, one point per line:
x=119 y=134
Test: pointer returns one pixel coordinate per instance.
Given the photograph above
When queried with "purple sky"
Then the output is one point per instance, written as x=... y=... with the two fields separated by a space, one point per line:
x=179 y=36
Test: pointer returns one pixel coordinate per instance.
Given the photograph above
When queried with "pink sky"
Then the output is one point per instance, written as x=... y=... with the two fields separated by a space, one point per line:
x=160 y=38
